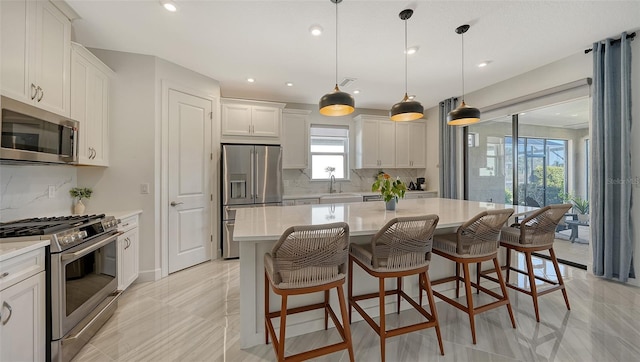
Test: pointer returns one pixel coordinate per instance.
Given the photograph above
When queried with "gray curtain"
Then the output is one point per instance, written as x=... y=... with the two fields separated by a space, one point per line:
x=611 y=224
x=448 y=152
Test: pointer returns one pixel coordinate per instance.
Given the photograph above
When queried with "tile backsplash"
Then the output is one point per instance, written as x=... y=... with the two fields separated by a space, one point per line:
x=298 y=181
x=24 y=191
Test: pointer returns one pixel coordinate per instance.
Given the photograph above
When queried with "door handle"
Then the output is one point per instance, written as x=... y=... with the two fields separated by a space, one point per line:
x=174 y=204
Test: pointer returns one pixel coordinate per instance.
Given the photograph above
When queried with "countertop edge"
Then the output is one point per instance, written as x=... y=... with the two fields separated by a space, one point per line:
x=13 y=249
x=361 y=193
x=124 y=214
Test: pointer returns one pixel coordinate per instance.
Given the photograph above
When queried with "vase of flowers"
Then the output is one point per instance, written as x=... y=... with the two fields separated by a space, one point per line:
x=80 y=193
x=391 y=189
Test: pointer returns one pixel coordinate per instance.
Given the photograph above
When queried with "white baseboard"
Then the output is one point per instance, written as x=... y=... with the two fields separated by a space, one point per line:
x=149 y=275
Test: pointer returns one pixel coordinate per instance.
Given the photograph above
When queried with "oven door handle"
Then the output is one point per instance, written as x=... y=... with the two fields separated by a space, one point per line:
x=89 y=249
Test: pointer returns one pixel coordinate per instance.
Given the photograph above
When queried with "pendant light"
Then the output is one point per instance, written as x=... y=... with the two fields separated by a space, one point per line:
x=406 y=109
x=336 y=103
x=463 y=115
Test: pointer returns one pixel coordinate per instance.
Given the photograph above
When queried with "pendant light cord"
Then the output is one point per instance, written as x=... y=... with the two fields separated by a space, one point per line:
x=336 y=43
x=405 y=57
x=462 y=67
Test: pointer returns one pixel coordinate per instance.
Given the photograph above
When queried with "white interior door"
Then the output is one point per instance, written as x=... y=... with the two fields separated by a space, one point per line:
x=190 y=176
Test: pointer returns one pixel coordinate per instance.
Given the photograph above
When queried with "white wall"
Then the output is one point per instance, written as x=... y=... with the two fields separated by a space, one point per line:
x=24 y=191
x=132 y=144
x=136 y=145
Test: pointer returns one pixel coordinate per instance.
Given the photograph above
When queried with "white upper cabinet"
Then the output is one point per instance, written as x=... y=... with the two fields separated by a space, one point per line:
x=244 y=120
x=410 y=144
x=90 y=105
x=36 y=40
x=295 y=138
x=375 y=142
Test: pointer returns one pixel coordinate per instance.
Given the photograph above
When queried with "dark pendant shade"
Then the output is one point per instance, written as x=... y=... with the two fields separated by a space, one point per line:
x=336 y=103
x=406 y=110
x=463 y=115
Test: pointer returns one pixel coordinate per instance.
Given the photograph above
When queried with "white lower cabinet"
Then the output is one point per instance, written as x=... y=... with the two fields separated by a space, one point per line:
x=128 y=249
x=22 y=310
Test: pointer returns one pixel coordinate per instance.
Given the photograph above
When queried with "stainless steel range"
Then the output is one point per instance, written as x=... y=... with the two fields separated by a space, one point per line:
x=81 y=275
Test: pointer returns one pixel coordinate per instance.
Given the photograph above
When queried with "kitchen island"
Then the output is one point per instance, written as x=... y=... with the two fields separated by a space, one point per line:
x=256 y=229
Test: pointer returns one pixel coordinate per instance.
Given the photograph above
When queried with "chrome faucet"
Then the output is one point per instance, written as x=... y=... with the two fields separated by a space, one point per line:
x=332 y=182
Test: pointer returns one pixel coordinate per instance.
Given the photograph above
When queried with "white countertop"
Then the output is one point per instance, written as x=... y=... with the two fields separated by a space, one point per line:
x=123 y=214
x=12 y=249
x=364 y=218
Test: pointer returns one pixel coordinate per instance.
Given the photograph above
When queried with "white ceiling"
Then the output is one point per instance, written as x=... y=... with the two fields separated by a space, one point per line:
x=270 y=41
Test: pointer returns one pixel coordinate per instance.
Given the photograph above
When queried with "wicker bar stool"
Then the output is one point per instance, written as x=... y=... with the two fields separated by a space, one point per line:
x=401 y=248
x=535 y=233
x=474 y=242
x=308 y=259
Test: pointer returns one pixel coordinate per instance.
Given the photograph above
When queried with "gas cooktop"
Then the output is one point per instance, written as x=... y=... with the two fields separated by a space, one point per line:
x=44 y=225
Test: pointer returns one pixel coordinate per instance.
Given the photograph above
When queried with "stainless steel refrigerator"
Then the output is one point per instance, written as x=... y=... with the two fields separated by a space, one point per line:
x=251 y=177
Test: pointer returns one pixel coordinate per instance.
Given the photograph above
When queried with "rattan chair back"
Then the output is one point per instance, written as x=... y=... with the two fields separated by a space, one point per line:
x=481 y=234
x=404 y=242
x=539 y=228
x=311 y=255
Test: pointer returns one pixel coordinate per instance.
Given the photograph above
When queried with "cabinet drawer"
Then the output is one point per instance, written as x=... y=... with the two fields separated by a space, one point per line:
x=128 y=223
x=21 y=267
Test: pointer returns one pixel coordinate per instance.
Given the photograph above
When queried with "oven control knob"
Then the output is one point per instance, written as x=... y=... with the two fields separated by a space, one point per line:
x=66 y=239
x=82 y=234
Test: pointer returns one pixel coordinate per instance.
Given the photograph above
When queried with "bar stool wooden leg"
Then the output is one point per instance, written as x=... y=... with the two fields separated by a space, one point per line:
x=560 y=281
x=345 y=322
x=432 y=306
x=478 y=268
x=503 y=287
x=508 y=264
x=383 y=327
x=532 y=286
x=467 y=287
x=421 y=284
x=350 y=286
x=326 y=310
x=267 y=286
x=399 y=284
x=457 y=280
x=283 y=325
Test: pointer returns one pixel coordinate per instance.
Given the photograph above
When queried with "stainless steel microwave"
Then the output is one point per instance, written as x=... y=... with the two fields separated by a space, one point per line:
x=35 y=135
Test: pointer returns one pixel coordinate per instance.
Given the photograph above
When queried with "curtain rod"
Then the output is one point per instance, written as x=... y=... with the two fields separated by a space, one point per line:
x=629 y=36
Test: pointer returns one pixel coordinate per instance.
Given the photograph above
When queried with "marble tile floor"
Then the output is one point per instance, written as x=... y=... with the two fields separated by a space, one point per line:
x=193 y=315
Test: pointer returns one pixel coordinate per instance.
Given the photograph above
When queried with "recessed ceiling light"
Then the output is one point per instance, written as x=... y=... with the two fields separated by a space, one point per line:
x=315 y=30
x=484 y=64
x=574 y=115
x=412 y=50
x=412 y=97
x=250 y=80
x=169 y=5
x=523 y=113
x=557 y=114
x=289 y=84
x=357 y=91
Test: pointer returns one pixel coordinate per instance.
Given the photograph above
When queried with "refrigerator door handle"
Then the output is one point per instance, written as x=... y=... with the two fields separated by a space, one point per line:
x=252 y=173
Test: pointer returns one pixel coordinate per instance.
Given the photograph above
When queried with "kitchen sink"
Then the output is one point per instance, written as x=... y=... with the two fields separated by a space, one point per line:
x=340 y=198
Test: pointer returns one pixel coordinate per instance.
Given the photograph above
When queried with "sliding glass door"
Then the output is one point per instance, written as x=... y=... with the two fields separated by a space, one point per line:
x=545 y=163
